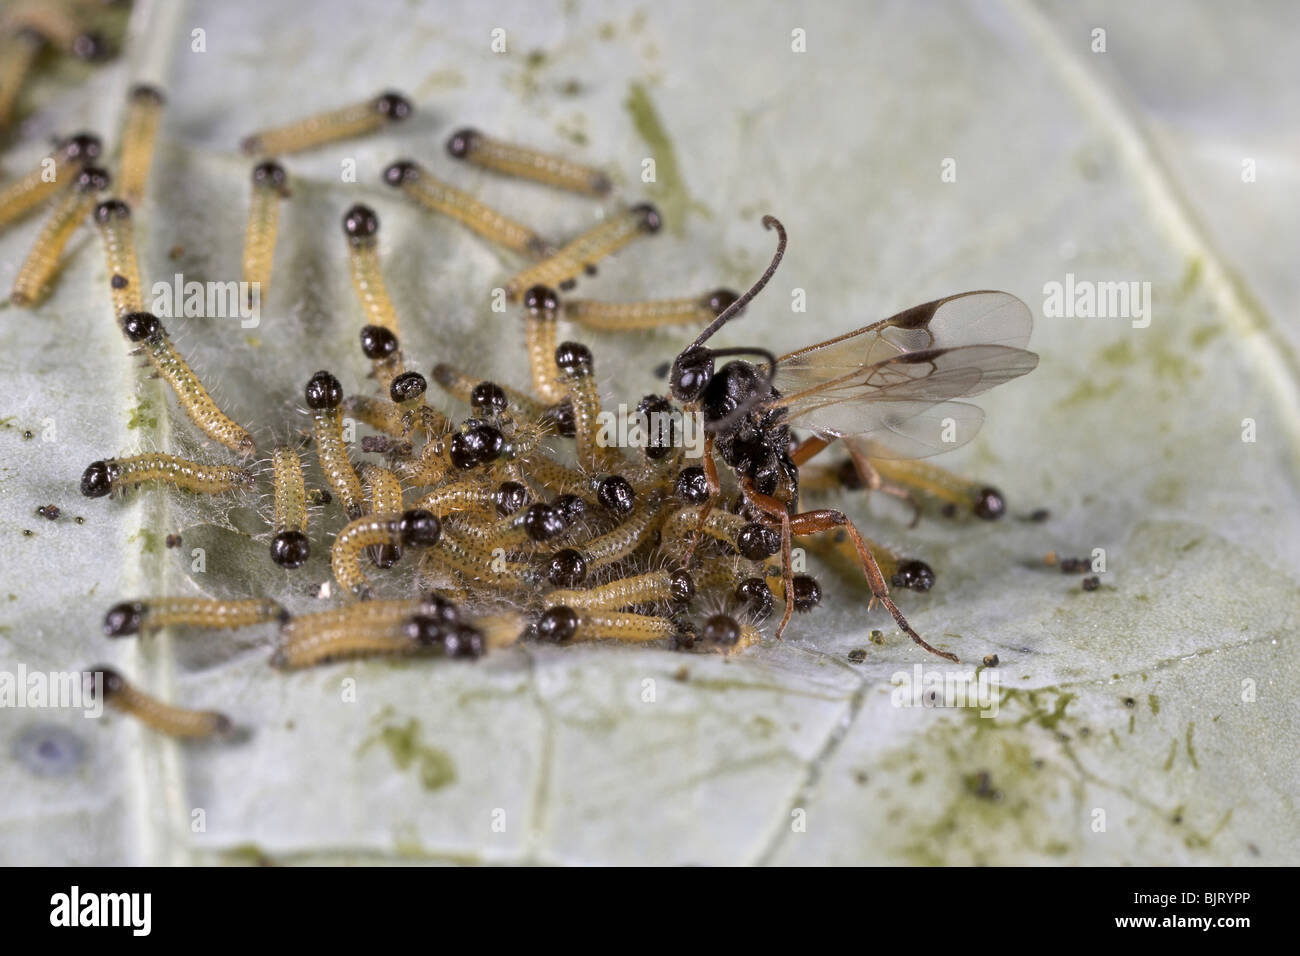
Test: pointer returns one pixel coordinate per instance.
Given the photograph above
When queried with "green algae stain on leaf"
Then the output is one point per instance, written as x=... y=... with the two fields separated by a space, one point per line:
x=1120 y=354
x=668 y=187
x=434 y=767
x=1088 y=392
x=1191 y=277
x=148 y=541
x=1204 y=335
x=140 y=417
x=1199 y=841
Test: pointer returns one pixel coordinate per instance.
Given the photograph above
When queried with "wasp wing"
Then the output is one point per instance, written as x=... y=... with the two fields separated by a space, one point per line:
x=933 y=429
x=893 y=384
x=968 y=318
x=904 y=406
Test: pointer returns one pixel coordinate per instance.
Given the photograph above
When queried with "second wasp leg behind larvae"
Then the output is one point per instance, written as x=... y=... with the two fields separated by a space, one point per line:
x=899 y=571
x=854 y=474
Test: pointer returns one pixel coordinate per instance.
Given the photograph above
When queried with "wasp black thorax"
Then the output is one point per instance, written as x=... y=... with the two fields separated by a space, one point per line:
x=737 y=402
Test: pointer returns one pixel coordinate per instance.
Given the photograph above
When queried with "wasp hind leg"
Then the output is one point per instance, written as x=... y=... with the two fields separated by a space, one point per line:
x=815 y=522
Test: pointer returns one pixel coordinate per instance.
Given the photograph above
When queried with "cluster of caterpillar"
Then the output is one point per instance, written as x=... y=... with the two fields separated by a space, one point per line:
x=520 y=520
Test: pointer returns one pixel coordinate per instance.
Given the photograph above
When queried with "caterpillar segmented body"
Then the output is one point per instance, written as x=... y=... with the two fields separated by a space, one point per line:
x=22 y=195
x=42 y=261
x=270 y=187
x=139 y=134
x=654 y=314
x=142 y=617
x=115 y=474
x=332 y=126
x=426 y=190
x=653 y=587
x=580 y=255
x=152 y=712
x=371 y=627
x=324 y=396
x=526 y=163
x=562 y=624
x=18 y=52
x=290 y=546
x=410 y=529
x=113 y=217
x=145 y=329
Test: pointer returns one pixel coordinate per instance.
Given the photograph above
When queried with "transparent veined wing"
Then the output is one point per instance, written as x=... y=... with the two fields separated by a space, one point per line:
x=907 y=404
x=894 y=385
x=968 y=318
x=932 y=430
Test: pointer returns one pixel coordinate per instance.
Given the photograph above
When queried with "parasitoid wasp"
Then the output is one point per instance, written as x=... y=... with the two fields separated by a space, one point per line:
x=889 y=390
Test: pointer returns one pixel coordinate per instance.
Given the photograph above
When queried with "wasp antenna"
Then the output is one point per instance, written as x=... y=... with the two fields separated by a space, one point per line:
x=750 y=350
x=769 y=222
